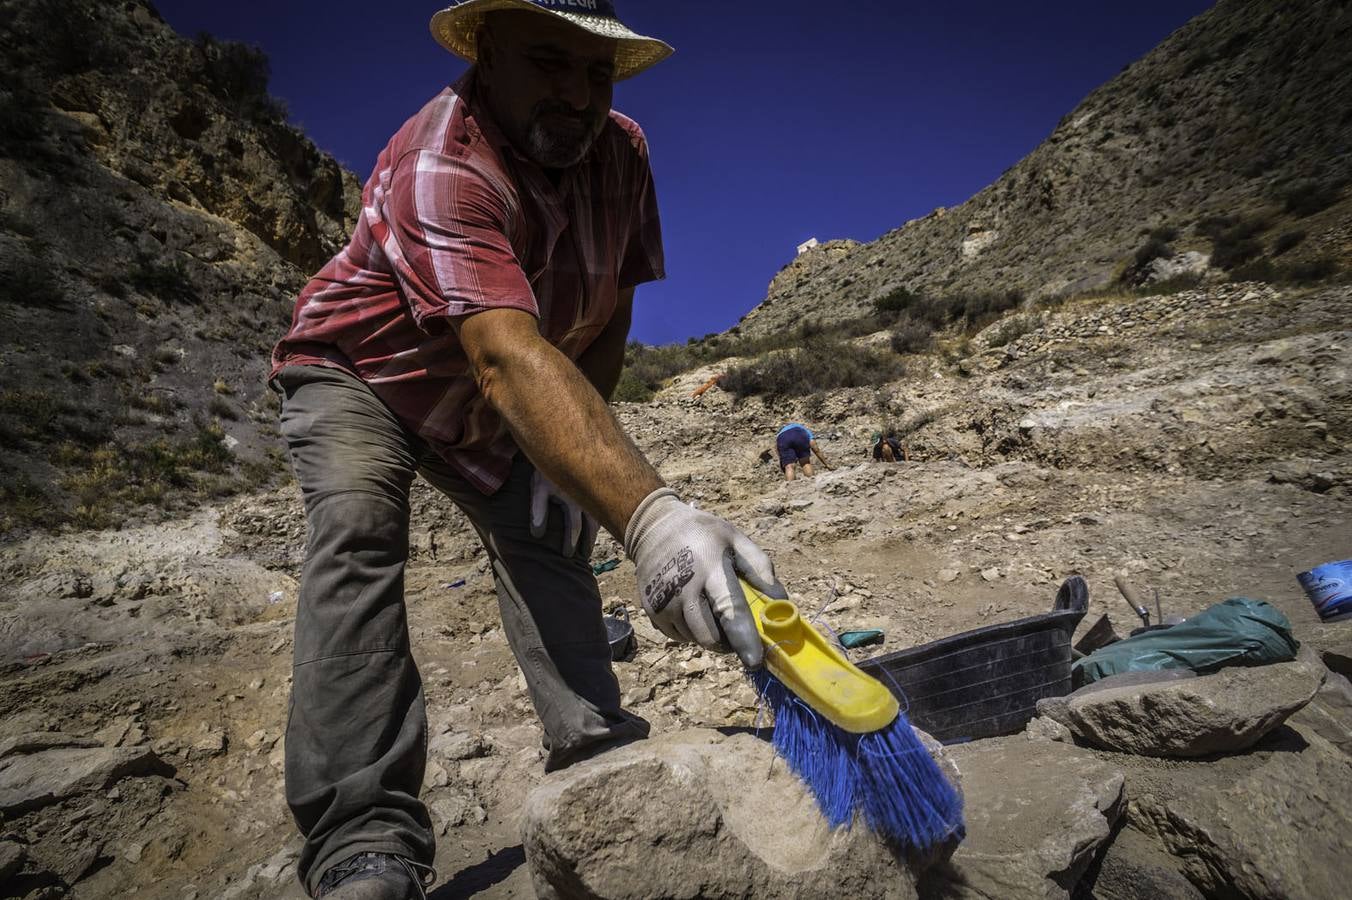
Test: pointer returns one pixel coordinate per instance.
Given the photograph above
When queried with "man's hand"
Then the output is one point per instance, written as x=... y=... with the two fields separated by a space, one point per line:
x=688 y=562
x=579 y=529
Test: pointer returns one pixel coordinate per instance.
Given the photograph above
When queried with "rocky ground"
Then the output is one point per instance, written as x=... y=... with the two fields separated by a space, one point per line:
x=1198 y=442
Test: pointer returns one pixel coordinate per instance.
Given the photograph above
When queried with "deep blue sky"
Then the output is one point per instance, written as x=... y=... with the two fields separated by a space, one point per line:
x=773 y=123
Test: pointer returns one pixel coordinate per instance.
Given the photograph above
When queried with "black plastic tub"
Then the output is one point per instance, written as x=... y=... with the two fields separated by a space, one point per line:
x=985 y=682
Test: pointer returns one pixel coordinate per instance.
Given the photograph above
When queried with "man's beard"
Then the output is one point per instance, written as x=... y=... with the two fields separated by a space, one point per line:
x=558 y=136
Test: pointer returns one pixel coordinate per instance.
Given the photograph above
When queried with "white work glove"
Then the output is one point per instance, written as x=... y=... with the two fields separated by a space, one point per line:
x=579 y=529
x=688 y=562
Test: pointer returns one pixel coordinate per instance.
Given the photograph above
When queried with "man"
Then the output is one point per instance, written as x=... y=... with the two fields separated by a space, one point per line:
x=469 y=333
x=795 y=445
x=889 y=448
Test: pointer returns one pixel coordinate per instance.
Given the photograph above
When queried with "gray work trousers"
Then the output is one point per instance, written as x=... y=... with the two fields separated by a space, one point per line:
x=356 y=735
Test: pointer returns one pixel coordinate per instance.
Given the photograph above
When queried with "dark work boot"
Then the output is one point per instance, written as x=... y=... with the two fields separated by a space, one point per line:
x=375 y=876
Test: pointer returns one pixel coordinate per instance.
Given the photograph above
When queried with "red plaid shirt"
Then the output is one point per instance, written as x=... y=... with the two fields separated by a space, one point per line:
x=454 y=221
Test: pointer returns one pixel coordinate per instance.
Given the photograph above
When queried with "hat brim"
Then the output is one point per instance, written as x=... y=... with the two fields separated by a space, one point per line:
x=456 y=28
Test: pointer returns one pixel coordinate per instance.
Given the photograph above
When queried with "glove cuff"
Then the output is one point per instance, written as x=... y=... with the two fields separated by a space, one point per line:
x=643 y=516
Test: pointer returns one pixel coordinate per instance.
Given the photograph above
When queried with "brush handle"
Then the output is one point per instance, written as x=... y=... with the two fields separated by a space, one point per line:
x=815 y=671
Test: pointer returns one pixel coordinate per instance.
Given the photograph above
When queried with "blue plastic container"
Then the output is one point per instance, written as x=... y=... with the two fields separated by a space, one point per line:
x=1329 y=588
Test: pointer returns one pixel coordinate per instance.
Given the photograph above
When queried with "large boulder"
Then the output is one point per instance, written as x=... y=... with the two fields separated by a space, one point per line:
x=1224 y=712
x=1037 y=813
x=1275 y=822
x=696 y=814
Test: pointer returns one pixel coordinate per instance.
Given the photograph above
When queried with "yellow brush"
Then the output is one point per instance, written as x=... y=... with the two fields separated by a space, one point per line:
x=844 y=734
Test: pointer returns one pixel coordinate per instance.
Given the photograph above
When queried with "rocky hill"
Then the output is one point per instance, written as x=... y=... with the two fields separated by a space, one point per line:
x=157 y=216
x=1236 y=130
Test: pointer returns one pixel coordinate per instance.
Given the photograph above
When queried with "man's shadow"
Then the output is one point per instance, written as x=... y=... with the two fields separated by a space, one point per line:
x=481 y=876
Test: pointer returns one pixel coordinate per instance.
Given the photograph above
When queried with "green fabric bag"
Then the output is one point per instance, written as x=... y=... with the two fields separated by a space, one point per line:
x=1234 y=632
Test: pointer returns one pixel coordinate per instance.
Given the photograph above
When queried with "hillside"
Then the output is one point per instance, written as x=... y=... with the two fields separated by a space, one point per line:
x=1193 y=434
x=157 y=216
x=1241 y=115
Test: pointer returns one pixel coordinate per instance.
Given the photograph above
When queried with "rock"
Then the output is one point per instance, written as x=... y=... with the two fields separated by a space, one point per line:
x=122 y=731
x=11 y=859
x=1041 y=728
x=948 y=575
x=435 y=775
x=454 y=810
x=1329 y=714
x=1224 y=712
x=457 y=745
x=991 y=574
x=648 y=635
x=1037 y=813
x=1333 y=642
x=1189 y=262
x=34 y=741
x=33 y=780
x=1271 y=823
x=696 y=814
x=1134 y=867
x=1057 y=708
x=211 y=743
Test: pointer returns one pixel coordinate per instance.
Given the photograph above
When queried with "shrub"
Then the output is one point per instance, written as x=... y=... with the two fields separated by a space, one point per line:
x=21 y=118
x=1308 y=196
x=22 y=502
x=1211 y=226
x=1309 y=271
x=42 y=416
x=973 y=310
x=112 y=477
x=631 y=389
x=1233 y=240
x=896 y=301
x=1287 y=241
x=167 y=280
x=1303 y=272
x=76 y=41
x=1232 y=254
x=29 y=282
x=238 y=75
x=1183 y=282
x=165 y=356
x=1012 y=329
x=221 y=408
x=821 y=365
x=911 y=336
x=1164 y=234
x=1151 y=250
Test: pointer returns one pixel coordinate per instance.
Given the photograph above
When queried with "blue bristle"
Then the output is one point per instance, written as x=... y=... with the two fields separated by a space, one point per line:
x=904 y=793
x=888 y=775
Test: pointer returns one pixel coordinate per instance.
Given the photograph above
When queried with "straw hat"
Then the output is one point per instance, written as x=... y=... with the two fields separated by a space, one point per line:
x=455 y=29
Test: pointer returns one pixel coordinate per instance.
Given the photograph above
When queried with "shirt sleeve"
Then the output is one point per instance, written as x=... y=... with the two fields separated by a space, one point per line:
x=448 y=227
x=643 y=258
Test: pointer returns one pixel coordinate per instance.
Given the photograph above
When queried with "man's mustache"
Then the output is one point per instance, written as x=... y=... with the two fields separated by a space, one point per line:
x=563 y=110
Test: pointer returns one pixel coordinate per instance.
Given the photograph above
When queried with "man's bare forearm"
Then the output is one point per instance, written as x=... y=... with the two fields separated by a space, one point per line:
x=557 y=417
